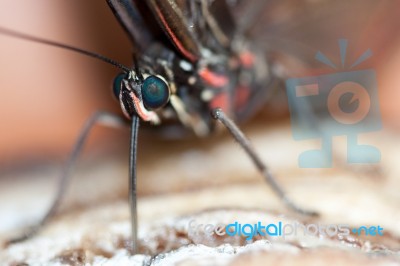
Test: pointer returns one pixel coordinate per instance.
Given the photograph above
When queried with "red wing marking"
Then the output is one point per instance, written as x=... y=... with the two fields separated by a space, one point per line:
x=175 y=39
x=242 y=94
x=221 y=101
x=247 y=59
x=213 y=79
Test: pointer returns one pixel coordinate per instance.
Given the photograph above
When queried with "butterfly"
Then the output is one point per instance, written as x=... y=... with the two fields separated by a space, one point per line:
x=197 y=63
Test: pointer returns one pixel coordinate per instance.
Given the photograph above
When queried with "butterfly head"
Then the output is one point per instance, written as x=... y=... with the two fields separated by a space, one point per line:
x=141 y=95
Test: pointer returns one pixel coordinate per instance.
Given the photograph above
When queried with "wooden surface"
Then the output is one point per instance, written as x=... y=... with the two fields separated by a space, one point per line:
x=210 y=182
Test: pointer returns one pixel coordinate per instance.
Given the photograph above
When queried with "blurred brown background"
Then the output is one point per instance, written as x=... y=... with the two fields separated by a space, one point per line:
x=46 y=93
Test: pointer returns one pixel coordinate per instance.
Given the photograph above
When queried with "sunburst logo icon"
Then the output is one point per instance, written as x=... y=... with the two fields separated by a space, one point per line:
x=341 y=103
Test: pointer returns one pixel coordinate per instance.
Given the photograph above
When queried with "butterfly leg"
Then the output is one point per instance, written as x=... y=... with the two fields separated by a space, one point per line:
x=238 y=135
x=103 y=118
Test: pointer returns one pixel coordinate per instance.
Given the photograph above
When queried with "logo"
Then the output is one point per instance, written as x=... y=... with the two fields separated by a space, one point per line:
x=337 y=104
x=280 y=229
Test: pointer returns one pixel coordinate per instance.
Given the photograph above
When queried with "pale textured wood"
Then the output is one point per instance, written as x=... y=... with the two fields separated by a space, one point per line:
x=209 y=182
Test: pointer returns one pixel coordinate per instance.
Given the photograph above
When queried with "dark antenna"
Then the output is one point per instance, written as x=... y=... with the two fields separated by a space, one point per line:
x=27 y=37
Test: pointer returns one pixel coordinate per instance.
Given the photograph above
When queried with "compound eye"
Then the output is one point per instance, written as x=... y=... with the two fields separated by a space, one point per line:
x=117 y=84
x=155 y=92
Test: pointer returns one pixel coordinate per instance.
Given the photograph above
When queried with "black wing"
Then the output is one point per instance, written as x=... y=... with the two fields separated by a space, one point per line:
x=130 y=18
